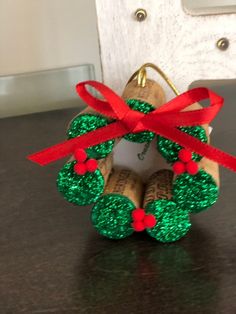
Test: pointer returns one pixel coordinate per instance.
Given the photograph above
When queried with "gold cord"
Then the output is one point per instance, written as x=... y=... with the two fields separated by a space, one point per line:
x=141 y=75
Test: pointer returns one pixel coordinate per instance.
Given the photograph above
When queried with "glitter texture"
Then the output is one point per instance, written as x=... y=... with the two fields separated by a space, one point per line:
x=80 y=190
x=88 y=122
x=140 y=137
x=111 y=216
x=195 y=193
x=172 y=223
x=169 y=150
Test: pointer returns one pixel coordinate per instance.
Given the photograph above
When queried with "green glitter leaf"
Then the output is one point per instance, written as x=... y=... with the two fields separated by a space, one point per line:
x=140 y=137
x=111 y=216
x=80 y=190
x=169 y=150
x=195 y=193
x=88 y=122
x=172 y=223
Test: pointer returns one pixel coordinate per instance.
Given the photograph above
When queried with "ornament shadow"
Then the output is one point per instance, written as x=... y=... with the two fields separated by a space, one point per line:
x=139 y=275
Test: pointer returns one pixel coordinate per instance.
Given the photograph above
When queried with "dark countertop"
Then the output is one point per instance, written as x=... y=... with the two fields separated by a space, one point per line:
x=52 y=261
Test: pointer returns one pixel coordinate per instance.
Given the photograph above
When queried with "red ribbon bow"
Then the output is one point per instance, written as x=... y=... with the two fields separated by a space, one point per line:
x=163 y=121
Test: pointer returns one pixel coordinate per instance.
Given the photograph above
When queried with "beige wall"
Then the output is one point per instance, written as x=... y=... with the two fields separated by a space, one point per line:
x=45 y=34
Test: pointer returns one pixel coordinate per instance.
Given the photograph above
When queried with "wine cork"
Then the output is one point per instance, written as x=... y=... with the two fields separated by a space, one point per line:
x=197 y=106
x=87 y=110
x=144 y=99
x=83 y=189
x=200 y=191
x=172 y=222
x=105 y=167
x=159 y=186
x=152 y=93
x=112 y=213
x=87 y=121
x=127 y=183
x=206 y=164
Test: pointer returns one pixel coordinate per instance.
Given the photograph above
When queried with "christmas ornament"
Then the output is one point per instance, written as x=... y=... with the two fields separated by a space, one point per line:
x=183 y=139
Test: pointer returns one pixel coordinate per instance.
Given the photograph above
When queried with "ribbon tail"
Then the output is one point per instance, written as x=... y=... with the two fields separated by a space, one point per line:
x=193 y=144
x=61 y=150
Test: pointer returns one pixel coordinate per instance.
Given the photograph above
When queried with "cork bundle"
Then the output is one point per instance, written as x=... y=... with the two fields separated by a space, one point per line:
x=123 y=203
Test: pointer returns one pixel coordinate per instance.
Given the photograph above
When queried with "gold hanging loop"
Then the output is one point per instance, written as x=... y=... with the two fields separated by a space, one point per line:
x=141 y=75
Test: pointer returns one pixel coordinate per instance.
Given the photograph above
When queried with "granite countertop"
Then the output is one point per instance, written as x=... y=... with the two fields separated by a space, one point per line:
x=53 y=261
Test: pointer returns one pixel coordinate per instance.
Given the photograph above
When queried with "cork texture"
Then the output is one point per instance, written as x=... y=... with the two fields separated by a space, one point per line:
x=151 y=93
x=212 y=168
x=127 y=183
x=105 y=166
x=159 y=186
x=197 y=106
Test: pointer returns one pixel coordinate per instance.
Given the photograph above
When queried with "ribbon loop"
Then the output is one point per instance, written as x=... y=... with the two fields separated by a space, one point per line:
x=114 y=107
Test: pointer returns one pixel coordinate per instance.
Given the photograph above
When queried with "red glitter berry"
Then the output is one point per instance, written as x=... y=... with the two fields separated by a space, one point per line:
x=149 y=221
x=80 y=169
x=179 y=167
x=185 y=155
x=91 y=165
x=138 y=214
x=138 y=226
x=80 y=155
x=192 y=167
